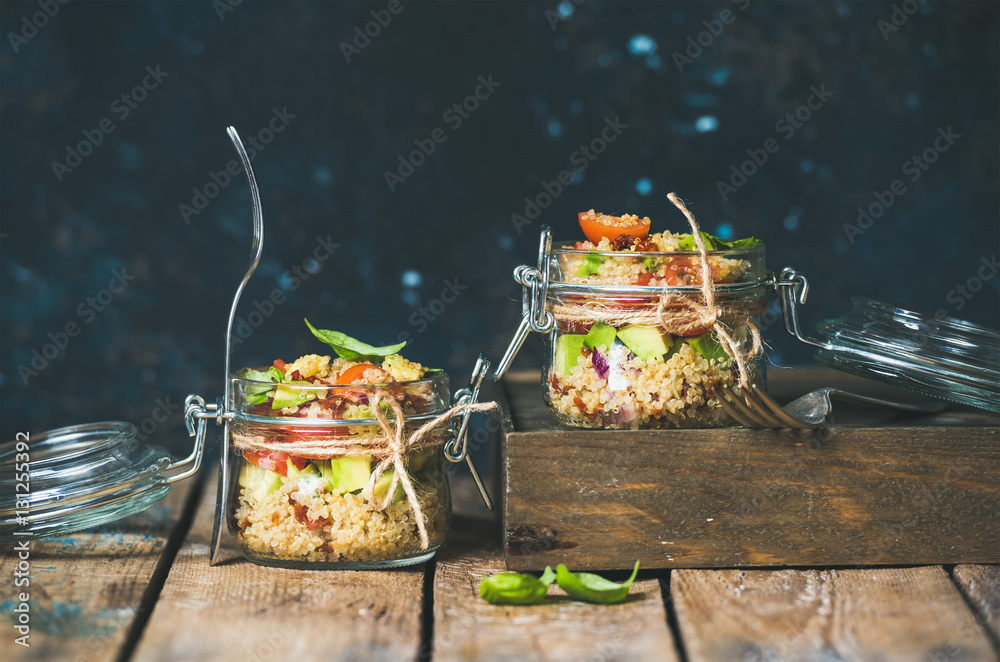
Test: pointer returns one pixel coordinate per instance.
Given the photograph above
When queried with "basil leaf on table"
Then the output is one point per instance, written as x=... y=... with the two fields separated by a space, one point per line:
x=594 y=588
x=512 y=588
x=351 y=349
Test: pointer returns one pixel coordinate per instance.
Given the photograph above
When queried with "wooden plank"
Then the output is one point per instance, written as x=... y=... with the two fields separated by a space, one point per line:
x=884 y=614
x=981 y=586
x=467 y=628
x=843 y=496
x=240 y=611
x=88 y=590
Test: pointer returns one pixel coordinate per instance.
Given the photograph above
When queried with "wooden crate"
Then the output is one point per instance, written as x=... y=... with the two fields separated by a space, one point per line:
x=874 y=488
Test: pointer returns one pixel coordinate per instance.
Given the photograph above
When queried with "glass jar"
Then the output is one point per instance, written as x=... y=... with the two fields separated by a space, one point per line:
x=317 y=484
x=634 y=342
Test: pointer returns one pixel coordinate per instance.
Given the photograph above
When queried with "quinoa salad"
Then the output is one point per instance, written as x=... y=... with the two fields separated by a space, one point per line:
x=611 y=364
x=314 y=507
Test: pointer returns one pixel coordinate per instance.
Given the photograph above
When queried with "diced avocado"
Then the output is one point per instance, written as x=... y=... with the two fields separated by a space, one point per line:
x=568 y=348
x=259 y=482
x=294 y=474
x=309 y=479
x=709 y=347
x=348 y=473
x=601 y=333
x=418 y=460
x=288 y=396
x=644 y=340
x=382 y=487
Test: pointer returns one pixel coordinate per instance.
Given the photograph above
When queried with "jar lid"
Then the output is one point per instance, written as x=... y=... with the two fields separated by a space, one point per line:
x=942 y=358
x=80 y=476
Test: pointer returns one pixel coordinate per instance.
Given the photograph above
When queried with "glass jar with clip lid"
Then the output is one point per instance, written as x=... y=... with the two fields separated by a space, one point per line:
x=360 y=482
x=641 y=337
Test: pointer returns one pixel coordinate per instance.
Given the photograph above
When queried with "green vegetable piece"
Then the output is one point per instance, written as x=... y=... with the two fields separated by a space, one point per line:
x=568 y=348
x=591 y=263
x=351 y=349
x=714 y=243
x=348 y=473
x=512 y=588
x=259 y=482
x=709 y=347
x=686 y=242
x=309 y=471
x=601 y=333
x=382 y=487
x=645 y=340
x=255 y=394
x=594 y=588
x=548 y=576
x=650 y=264
x=287 y=396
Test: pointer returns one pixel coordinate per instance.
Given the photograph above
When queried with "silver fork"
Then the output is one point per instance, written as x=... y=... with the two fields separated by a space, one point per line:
x=754 y=408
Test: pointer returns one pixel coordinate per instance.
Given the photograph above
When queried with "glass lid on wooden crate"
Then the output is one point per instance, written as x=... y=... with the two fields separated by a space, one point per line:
x=942 y=358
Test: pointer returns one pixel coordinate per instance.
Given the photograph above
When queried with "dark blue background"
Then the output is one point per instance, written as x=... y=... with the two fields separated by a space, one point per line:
x=323 y=174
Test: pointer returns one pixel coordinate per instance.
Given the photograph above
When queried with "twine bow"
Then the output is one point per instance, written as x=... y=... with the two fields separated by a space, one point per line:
x=679 y=314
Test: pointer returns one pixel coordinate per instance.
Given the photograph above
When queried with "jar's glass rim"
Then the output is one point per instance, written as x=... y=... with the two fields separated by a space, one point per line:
x=559 y=287
x=436 y=379
x=566 y=248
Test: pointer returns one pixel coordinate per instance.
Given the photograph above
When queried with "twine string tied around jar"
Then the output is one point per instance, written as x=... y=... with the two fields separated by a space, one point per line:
x=393 y=444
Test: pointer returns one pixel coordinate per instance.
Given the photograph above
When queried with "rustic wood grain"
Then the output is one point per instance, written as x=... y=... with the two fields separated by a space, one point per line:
x=89 y=589
x=248 y=613
x=981 y=586
x=884 y=614
x=467 y=628
x=842 y=496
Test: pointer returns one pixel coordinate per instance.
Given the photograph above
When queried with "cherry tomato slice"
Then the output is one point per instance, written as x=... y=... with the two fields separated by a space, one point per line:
x=275 y=461
x=597 y=226
x=364 y=373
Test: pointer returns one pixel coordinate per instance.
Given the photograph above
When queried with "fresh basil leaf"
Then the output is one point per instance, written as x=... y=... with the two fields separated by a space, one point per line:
x=714 y=243
x=255 y=394
x=749 y=242
x=276 y=375
x=432 y=371
x=254 y=375
x=594 y=588
x=351 y=349
x=687 y=242
x=591 y=263
x=512 y=588
x=548 y=576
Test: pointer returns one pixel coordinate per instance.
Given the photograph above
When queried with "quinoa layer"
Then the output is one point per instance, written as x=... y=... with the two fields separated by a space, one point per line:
x=659 y=393
x=287 y=524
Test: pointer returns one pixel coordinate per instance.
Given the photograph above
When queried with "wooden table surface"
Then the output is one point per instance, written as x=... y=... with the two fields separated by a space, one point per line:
x=142 y=589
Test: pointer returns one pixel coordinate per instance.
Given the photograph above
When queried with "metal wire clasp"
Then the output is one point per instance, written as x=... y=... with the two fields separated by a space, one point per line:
x=793 y=289
x=534 y=293
x=457 y=449
x=196 y=412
